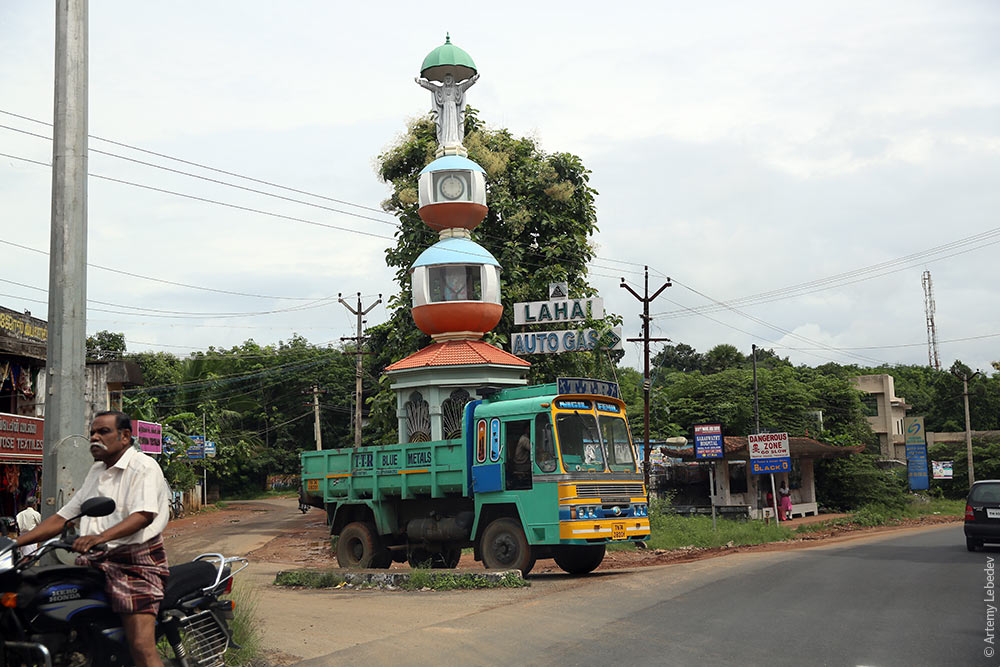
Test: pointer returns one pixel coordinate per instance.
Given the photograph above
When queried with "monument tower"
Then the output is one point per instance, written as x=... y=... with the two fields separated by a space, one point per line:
x=455 y=282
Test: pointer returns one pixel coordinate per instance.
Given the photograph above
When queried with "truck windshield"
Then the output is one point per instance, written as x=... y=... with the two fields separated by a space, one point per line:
x=617 y=442
x=579 y=441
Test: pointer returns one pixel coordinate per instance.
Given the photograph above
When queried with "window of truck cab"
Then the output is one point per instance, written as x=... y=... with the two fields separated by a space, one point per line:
x=578 y=437
x=615 y=434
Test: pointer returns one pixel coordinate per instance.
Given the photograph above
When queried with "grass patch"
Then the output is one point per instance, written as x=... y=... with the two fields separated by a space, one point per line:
x=308 y=579
x=922 y=506
x=671 y=531
x=246 y=628
x=449 y=581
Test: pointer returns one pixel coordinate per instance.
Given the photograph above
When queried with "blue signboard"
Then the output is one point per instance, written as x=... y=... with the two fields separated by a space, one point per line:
x=761 y=466
x=587 y=386
x=916 y=467
x=200 y=449
x=708 y=441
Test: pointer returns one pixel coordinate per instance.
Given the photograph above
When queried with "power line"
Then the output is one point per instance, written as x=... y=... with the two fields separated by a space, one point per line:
x=775 y=327
x=317 y=303
x=855 y=275
x=164 y=281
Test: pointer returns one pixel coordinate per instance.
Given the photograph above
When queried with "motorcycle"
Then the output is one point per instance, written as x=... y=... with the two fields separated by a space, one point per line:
x=60 y=616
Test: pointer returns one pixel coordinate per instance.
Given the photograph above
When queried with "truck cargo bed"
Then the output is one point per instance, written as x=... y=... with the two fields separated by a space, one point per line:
x=433 y=469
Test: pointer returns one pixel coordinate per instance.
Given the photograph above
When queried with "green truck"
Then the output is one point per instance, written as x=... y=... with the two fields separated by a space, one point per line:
x=545 y=471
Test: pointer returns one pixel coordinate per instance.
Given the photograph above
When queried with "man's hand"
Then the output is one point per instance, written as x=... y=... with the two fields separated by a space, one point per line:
x=87 y=542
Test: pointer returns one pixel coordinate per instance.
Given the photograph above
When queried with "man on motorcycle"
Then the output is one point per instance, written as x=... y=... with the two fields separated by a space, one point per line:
x=135 y=563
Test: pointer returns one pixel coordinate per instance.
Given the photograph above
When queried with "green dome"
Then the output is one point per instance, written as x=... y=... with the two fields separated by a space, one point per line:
x=447 y=59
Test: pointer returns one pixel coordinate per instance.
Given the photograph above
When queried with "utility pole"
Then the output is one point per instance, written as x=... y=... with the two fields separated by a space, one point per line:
x=360 y=312
x=756 y=404
x=64 y=467
x=968 y=426
x=317 y=432
x=646 y=340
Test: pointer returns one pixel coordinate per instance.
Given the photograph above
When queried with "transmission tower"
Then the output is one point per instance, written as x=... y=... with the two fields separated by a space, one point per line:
x=929 y=308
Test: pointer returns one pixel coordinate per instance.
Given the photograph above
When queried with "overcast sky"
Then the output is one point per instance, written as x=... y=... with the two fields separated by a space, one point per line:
x=740 y=148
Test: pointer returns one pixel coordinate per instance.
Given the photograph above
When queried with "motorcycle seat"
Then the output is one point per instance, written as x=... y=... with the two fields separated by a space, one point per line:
x=187 y=578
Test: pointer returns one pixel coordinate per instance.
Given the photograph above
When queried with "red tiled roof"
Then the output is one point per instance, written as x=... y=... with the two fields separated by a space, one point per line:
x=735 y=447
x=458 y=353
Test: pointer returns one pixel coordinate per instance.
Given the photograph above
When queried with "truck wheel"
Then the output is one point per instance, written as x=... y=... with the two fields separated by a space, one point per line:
x=504 y=547
x=360 y=546
x=580 y=559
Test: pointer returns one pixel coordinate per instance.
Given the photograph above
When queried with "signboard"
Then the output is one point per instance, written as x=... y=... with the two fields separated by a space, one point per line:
x=210 y=449
x=708 y=441
x=22 y=326
x=558 y=291
x=587 y=386
x=569 y=340
x=769 y=452
x=558 y=310
x=148 y=435
x=21 y=439
x=916 y=453
x=913 y=430
x=941 y=469
x=197 y=450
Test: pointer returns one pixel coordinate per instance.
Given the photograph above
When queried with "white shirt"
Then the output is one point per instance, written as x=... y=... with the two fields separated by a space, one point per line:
x=136 y=484
x=27 y=519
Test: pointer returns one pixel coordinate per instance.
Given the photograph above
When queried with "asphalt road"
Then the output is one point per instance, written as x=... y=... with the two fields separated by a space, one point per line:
x=909 y=598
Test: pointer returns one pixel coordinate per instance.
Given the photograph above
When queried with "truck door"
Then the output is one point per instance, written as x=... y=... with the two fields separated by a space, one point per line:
x=518 y=448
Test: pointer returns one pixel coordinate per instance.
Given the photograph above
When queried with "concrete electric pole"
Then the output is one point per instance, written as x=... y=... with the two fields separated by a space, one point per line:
x=968 y=425
x=360 y=312
x=66 y=453
x=316 y=429
x=646 y=382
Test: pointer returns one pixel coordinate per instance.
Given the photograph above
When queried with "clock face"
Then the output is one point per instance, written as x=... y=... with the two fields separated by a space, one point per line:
x=451 y=187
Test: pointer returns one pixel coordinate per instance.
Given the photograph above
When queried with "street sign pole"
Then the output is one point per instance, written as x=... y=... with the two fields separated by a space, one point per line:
x=774 y=498
x=711 y=491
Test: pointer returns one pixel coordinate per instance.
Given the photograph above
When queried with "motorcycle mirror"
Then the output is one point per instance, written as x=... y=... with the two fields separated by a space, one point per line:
x=99 y=506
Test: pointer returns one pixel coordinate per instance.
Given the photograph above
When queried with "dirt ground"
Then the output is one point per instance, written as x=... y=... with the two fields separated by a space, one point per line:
x=306 y=541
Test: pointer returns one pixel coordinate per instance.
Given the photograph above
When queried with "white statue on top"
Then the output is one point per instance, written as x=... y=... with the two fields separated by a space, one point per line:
x=448 y=105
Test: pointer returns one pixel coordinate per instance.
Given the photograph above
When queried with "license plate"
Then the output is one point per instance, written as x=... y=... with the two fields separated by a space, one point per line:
x=993 y=512
x=618 y=531
x=312 y=485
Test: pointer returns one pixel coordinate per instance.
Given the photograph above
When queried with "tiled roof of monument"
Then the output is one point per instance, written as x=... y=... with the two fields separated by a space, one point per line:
x=458 y=353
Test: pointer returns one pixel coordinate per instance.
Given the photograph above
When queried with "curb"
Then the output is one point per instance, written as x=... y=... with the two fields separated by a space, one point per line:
x=397 y=578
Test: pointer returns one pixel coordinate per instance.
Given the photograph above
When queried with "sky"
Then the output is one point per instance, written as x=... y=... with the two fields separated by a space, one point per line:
x=818 y=157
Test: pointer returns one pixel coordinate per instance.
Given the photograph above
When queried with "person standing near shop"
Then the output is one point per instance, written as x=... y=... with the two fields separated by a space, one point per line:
x=27 y=520
x=785 y=502
x=135 y=562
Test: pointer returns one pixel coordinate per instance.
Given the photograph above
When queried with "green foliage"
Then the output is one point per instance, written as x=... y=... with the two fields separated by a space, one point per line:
x=855 y=481
x=985 y=458
x=105 y=345
x=541 y=217
x=690 y=388
x=251 y=400
x=245 y=628
x=444 y=580
x=308 y=579
x=875 y=514
x=672 y=531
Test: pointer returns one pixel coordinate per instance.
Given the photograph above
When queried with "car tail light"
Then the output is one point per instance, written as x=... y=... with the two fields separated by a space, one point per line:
x=969 y=514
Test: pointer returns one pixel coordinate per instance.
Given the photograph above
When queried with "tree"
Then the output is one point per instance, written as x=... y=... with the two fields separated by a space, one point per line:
x=106 y=345
x=541 y=217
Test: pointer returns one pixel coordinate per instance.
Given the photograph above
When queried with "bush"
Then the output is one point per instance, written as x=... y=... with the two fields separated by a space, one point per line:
x=855 y=481
x=875 y=514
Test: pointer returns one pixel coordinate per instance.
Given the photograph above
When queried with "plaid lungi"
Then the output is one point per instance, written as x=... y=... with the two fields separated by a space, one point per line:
x=134 y=575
